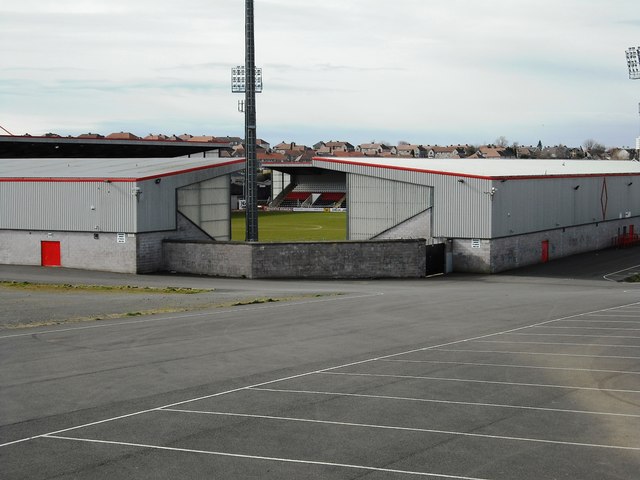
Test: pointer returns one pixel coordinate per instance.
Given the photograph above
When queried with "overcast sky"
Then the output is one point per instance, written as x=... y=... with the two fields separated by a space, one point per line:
x=423 y=71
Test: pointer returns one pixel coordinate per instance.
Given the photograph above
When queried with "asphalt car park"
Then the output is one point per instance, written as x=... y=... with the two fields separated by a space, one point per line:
x=533 y=374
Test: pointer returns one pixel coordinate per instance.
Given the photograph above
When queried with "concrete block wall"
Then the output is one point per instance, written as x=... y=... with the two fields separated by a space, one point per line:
x=418 y=226
x=103 y=251
x=513 y=252
x=77 y=249
x=388 y=259
x=500 y=254
x=471 y=256
x=149 y=245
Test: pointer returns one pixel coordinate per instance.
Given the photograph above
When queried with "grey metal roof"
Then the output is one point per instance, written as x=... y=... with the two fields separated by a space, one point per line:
x=111 y=168
x=494 y=168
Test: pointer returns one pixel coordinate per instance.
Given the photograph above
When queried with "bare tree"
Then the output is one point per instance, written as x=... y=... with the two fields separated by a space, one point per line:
x=593 y=148
x=501 y=141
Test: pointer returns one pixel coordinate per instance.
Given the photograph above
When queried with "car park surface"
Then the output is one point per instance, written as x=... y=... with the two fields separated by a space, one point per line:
x=532 y=374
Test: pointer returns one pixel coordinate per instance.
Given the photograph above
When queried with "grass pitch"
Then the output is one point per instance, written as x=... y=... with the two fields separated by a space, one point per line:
x=293 y=226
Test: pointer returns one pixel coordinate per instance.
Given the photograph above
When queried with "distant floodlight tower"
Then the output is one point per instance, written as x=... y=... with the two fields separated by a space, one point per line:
x=633 y=62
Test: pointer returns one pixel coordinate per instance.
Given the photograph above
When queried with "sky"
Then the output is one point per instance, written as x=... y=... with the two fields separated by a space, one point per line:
x=432 y=72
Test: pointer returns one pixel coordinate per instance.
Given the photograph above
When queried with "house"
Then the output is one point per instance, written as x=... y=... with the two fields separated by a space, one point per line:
x=414 y=151
x=491 y=151
x=90 y=136
x=452 y=151
x=263 y=144
x=284 y=147
x=159 y=136
x=123 y=136
x=202 y=139
x=333 y=148
x=377 y=149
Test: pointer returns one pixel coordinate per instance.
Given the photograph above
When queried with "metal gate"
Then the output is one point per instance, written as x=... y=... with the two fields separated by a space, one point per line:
x=435 y=259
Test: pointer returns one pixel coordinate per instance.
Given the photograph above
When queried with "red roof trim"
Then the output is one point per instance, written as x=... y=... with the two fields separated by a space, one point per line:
x=467 y=175
x=114 y=180
x=68 y=180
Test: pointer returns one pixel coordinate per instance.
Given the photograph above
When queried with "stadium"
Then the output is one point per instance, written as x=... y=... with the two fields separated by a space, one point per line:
x=404 y=217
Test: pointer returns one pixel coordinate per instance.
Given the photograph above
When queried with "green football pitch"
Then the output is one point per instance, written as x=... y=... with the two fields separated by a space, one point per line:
x=293 y=226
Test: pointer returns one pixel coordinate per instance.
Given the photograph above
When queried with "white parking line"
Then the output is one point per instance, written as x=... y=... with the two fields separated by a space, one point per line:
x=537 y=353
x=510 y=342
x=258 y=457
x=590 y=328
x=447 y=402
x=469 y=380
x=627 y=270
x=325 y=370
x=513 y=366
x=406 y=429
x=607 y=321
x=573 y=335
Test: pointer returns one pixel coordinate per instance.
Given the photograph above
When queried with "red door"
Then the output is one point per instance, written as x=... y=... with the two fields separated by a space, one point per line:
x=545 y=251
x=50 y=254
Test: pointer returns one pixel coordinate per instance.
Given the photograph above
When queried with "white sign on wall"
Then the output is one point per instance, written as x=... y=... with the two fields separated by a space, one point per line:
x=121 y=238
x=475 y=243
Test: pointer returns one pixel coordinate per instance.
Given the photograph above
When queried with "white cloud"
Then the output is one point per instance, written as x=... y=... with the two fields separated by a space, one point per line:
x=437 y=71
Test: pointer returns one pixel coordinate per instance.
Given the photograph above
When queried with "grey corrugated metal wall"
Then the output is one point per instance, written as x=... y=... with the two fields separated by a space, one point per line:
x=460 y=209
x=98 y=206
x=523 y=206
x=157 y=204
x=466 y=207
x=68 y=206
x=207 y=205
x=379 y=204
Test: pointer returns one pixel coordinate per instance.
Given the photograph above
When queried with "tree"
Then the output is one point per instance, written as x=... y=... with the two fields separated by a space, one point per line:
x=501 y=141
x=470 y=150
x=593 y=148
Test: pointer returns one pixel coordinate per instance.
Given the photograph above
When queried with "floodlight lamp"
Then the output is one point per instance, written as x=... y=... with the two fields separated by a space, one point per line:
x=239 y=79
x=633 y=62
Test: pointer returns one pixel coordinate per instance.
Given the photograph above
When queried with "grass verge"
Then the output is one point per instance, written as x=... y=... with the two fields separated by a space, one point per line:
x=67 y=287
x=166 y=310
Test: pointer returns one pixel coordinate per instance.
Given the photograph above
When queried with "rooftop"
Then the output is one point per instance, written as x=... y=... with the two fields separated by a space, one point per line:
x=95 y=169
x=495 y=168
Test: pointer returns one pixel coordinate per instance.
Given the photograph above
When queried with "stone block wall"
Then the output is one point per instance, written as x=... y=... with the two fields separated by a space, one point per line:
x=384 y=259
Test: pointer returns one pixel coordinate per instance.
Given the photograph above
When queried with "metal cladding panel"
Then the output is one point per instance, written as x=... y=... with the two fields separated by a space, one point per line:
x=523 y=206
x=376 y=205
x=530 y=196
x=460 y=209
x=67 y=206
x=157 y=199
x=156 y=205
x=207 y=205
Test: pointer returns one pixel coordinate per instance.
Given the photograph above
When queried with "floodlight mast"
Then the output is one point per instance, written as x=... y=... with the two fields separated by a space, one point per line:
x=633 y=62
x=251 y=162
